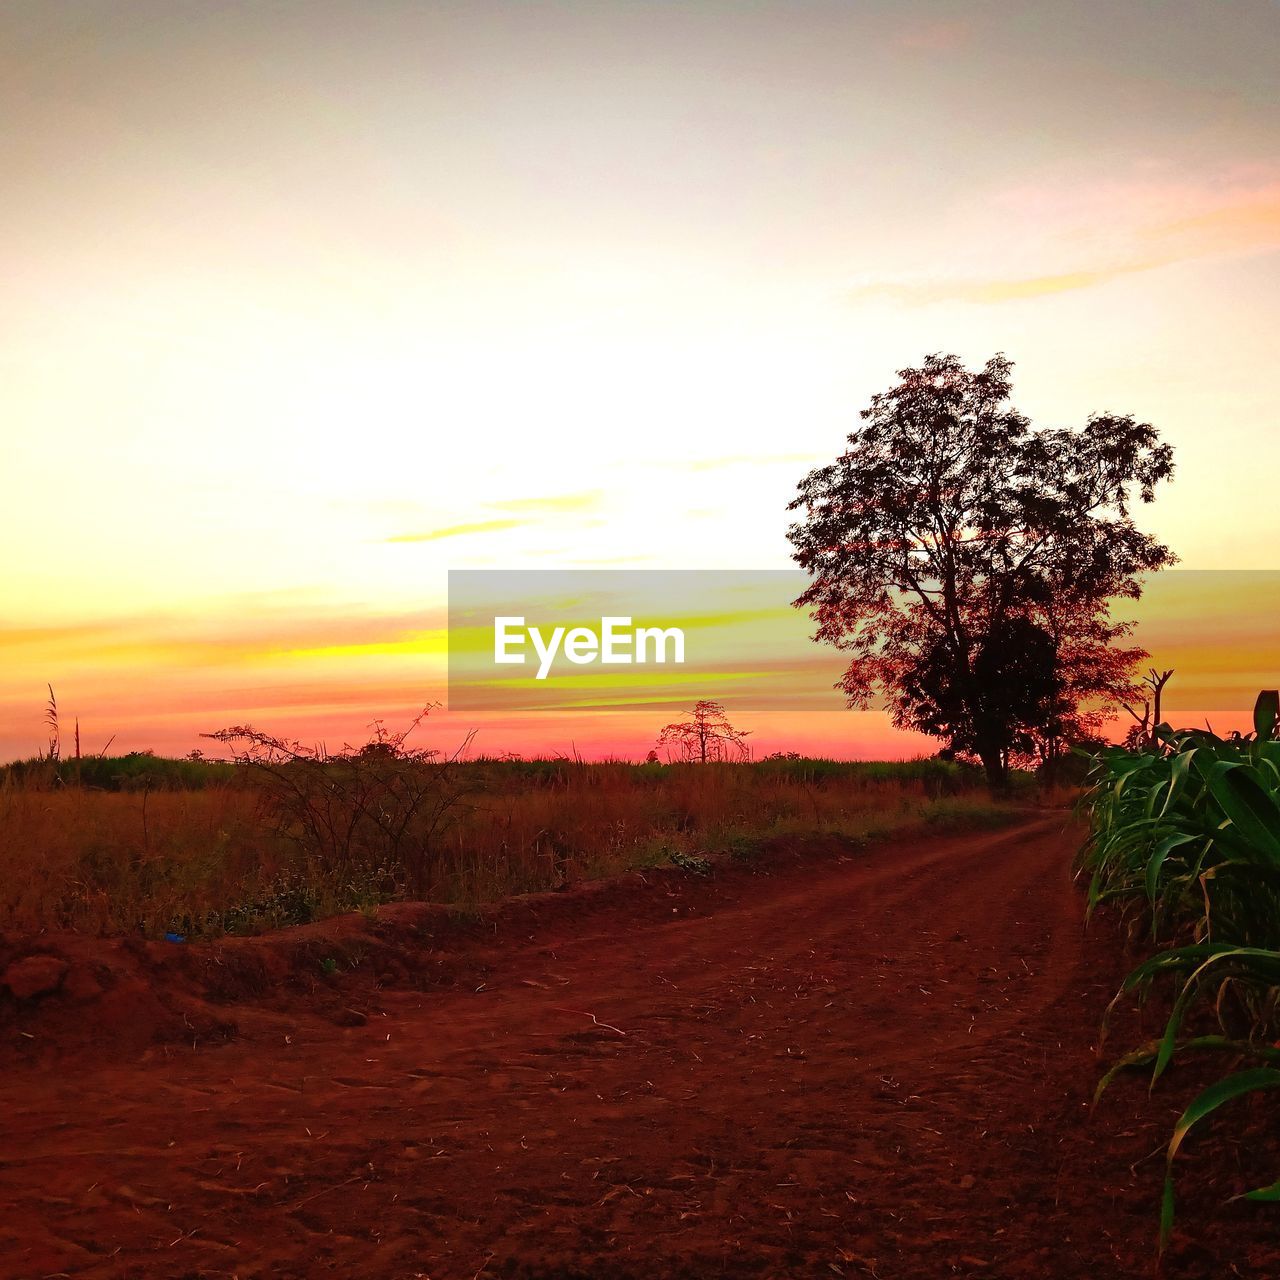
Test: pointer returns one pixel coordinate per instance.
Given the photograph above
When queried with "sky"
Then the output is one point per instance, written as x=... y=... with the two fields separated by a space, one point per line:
x=307 y=304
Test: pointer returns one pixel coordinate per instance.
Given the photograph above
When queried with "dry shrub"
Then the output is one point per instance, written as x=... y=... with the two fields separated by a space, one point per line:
x=372 y=814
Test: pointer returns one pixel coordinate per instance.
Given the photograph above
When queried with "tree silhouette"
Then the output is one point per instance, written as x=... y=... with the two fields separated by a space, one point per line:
x=1142 y=733
x=967 y=560
x=706 y=737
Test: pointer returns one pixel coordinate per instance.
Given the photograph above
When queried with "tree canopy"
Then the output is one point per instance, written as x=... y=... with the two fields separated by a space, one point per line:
x=967 y=560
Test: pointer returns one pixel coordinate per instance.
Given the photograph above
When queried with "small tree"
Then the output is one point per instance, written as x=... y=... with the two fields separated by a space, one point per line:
x=967 y=560
x=708 y=736
x=1142 y=733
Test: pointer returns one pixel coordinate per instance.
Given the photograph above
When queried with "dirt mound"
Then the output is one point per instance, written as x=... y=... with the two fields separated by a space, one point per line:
x=67 y=994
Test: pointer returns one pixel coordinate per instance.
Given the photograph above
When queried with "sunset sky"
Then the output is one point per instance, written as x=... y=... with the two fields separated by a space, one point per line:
x=306 y=304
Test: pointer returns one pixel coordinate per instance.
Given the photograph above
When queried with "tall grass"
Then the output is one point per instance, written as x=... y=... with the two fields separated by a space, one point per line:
x=200 y=862
x=1188 y=834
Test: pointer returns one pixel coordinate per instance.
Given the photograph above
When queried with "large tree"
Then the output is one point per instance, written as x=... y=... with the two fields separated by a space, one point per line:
x=966 y=560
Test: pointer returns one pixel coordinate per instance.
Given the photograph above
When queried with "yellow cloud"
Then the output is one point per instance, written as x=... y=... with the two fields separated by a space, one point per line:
x=456 y=531
x=588 y=500
x=1013 y=290
x=219 y=641
x=417 y=644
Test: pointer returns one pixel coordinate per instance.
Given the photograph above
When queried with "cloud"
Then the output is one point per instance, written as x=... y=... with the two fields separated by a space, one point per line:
x=457 y=531
x=1094 y=235
x=997 y=290
x=47 y=637
x=1241 y=225
x=554 y=504
x=221 y=638
x=588 y=500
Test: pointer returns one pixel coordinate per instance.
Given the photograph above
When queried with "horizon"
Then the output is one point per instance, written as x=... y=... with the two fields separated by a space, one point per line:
x=1219 y=631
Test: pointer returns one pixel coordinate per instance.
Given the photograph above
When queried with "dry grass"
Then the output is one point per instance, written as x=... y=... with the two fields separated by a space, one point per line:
x=204 y=861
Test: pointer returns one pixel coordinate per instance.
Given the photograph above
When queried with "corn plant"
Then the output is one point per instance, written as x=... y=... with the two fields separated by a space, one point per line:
x=1188 y=829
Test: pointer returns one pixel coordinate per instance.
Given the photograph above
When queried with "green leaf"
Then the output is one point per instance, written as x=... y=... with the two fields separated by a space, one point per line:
x=1207 y=1102
x=1146 y=1055
x=1173 y=961
x=1222 y=1091
x=1253 y=812
x=1252 y=963
x=1265 y=712
x=1162 y=851
x=1269 y=1194
x=1166 y=1210
x=1178 y=774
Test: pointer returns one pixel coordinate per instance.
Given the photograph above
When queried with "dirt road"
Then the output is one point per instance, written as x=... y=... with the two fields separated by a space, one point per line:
x=874 y=1065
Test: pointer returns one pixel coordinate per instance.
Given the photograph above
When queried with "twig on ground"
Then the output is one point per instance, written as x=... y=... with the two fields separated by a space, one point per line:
x=582 y=1013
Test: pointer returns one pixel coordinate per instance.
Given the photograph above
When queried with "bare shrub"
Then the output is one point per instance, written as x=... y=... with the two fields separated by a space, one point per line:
x=370 y=813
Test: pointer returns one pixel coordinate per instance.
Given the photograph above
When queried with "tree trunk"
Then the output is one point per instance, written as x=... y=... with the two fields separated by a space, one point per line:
x=997 y=772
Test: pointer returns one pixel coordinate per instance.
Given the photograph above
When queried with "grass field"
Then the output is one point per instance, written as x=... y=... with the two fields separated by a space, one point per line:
x=158 y=847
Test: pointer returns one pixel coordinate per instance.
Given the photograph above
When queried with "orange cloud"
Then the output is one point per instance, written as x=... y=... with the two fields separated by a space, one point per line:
x=1243 y=224
x=78 y=633
x=991 y=291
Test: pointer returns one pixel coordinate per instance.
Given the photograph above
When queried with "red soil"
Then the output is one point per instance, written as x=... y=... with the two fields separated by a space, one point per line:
x=870 y=1064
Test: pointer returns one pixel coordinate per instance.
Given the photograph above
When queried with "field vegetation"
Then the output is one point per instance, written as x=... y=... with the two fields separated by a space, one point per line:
x=1186 y=838
x=140 y=845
